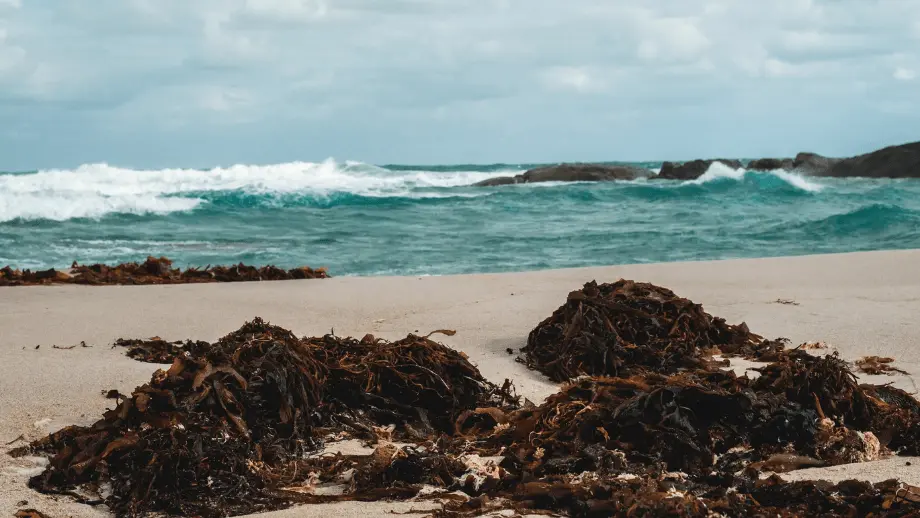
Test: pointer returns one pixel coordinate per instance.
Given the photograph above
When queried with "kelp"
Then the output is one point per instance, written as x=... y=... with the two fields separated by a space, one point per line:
x=208 y=435
x=668 y=495
x=877 y=365
x=157 y=350
x=153 y=271
x=623 y=328
x=647 y=423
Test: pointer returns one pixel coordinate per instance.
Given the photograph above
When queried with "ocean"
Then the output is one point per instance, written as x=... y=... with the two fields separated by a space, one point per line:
x=362 y=220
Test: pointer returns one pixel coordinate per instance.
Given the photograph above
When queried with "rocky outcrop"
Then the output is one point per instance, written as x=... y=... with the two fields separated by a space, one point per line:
x=693 y=169
x=771 y=164
x=501 y=180
x=571 y=173
x=814 y=164
x=901 y=161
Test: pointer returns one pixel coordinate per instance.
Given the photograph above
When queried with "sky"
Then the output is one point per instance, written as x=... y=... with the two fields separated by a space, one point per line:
x=201 y=83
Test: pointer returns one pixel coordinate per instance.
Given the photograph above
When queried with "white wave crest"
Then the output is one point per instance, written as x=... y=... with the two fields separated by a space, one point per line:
x=60 y=206
x=718 y=170
x=797 y=180
x=94 y=190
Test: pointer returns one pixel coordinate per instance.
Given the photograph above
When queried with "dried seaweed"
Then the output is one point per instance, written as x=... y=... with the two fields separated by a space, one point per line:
x=672 y=496
x=877 y=365
x=623 y=328
x=208 y=435
x=813 y=345
x=153 y=271
x=647 y=423
x=157 y=350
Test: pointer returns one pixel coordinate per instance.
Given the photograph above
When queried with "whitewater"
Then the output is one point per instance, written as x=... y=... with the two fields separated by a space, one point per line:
x=362 y=219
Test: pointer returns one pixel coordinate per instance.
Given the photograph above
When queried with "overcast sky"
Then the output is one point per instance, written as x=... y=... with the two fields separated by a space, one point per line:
x=154 y=83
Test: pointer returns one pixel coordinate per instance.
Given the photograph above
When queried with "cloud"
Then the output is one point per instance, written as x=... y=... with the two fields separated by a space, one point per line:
x=671 y=39
x=287 y=10
x=904 y=74
x=10 y=55
x=449 y=81
x=577 y=79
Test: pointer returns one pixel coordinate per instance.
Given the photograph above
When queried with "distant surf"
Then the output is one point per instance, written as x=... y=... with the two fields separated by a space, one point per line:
x=361 y=219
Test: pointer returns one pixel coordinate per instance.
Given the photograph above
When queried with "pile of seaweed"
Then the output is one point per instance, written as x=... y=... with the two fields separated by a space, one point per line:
x=222 y=429
x=628 y=327
x=154 y=271
x=646 y=424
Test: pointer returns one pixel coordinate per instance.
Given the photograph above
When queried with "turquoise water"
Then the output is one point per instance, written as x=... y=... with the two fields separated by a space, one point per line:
x=358 y=219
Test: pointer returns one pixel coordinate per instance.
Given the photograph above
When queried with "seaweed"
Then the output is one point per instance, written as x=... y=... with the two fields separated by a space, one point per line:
x=877 y=365
x=648 y=422
x=153 y=271
x=210 y=435
x=626 y=327
x=157 y=350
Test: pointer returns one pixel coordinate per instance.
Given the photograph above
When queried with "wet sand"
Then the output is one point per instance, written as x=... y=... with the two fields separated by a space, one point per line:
x=860 y=304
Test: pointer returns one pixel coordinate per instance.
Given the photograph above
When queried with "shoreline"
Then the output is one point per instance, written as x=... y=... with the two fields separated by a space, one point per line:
x=630 y=266
x=861 y=303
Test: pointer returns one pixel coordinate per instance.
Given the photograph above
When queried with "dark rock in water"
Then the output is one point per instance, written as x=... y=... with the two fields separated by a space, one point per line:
x=692 y=170
x=891 y=162
x=501 y=180
x=571 y=173
x=771 y=164
x=901 y=161
x=814 y=164
x=584 y=173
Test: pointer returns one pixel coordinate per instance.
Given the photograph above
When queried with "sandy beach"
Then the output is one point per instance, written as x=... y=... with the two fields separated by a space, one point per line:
x=859 y=303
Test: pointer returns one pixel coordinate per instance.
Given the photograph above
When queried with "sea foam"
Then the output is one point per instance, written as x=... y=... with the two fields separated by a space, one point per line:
x=95 y=190
x=720 y=171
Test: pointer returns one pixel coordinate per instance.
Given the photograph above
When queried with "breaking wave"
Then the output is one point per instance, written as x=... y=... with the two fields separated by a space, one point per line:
x=720 y=172
x=359 y=219
x=95 y=190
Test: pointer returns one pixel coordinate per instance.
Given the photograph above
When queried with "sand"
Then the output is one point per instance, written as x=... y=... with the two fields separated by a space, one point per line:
x=859 y=303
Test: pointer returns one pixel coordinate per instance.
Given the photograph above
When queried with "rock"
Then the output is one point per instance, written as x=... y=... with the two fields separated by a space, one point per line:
x=814 y=164
x=902 y=161
x=571 y=173
x=584 y=173
x=501 y=180
x=771 y=164
x=693 y=169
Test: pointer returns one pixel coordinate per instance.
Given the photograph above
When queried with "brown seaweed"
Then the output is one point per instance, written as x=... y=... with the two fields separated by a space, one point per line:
x=877 y=365
x=667 y=496
x=154 y=271
x=208 y=435
x=646 y=424
x=157 y=350
x=623 y=328
x=627 y=328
